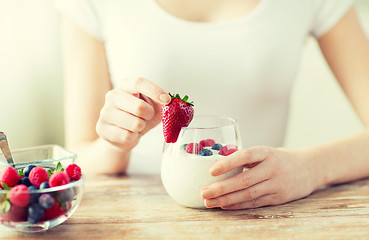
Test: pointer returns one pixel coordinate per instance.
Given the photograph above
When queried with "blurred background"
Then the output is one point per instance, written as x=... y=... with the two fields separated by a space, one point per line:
x=31 y=87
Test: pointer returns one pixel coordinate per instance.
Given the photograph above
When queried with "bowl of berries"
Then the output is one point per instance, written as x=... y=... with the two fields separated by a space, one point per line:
x=41 y=190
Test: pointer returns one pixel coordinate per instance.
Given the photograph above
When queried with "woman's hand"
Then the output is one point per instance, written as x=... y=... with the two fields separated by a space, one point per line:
x=275 y=176
x=130 y=110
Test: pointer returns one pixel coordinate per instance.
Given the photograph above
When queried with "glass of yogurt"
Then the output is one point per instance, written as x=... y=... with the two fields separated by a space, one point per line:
x=186 y=163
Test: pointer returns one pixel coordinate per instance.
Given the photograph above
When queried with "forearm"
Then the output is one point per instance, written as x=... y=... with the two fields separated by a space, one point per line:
x=100 y=157
x=342 y=160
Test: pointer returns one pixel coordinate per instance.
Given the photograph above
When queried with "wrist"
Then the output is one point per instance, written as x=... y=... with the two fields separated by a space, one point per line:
x=318 y=171
x=101 y=157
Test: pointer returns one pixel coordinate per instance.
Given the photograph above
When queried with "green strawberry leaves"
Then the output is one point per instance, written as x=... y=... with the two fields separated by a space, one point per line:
x=184 y=99
x=5 y=206
x=20 y=172
x=58 y=168
x=4 y=202
x=5 y=186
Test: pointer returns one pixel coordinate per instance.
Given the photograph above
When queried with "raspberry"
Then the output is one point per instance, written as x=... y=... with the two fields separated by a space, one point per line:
x=37 y=176
x=74 y=172
x=207 y=143
x=19 y=195
x=228 y=149
x=193 y=148
x=58 y=179
x=9 y=176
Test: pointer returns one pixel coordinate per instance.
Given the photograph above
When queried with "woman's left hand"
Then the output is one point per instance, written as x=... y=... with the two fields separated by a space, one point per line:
x=274 y=176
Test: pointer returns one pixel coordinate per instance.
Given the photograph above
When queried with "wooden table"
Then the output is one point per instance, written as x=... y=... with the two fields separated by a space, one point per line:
x=137 y=207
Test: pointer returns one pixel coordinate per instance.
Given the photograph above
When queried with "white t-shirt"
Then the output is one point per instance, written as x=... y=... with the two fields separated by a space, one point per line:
x=241 y=68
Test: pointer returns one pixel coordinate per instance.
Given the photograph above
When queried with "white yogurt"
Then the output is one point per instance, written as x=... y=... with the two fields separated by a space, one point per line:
x=184 y=175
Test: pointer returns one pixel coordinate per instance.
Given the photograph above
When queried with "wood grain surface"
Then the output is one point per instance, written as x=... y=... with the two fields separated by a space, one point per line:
x=137 y=207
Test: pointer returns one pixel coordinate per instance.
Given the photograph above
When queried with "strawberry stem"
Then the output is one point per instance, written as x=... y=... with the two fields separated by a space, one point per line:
x=184 y=99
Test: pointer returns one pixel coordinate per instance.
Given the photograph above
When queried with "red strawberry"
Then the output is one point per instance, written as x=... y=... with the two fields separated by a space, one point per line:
x=58 y=179
x=177 y=114
x=194 y=148
x=37 y=176
x=9 y=176
x=19 y=195
x=74 y=172
x=228 y=149
x=207 y=143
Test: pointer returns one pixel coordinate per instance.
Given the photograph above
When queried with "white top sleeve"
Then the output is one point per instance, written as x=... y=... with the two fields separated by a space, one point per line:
x=83 y=13
x=326 y=14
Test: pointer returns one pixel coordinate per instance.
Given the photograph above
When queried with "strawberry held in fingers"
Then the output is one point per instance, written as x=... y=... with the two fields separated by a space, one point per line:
x=177 y=114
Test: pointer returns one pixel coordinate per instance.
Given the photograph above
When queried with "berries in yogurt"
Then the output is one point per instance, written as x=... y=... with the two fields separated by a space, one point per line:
x=209 y=147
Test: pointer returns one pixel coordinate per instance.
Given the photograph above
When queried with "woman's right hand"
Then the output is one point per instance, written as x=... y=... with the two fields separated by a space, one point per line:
x=130 y=110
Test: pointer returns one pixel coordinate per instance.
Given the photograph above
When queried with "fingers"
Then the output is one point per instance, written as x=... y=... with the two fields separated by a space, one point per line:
x=240 y=158
x=147 y=88
x=117 y=136
x=128 y=103
x=262 y=201
x=248 y=186
x=243 y=180
x=130 y=111
x=247 y=194
x=123 y=120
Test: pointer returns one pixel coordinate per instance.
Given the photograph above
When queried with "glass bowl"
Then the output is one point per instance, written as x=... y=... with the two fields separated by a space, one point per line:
x=63 y=200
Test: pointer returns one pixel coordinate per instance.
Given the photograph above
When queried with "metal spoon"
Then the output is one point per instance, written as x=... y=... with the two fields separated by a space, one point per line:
x=5 y=148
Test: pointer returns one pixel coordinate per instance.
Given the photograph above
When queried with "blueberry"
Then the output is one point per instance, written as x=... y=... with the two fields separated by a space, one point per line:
x=44 y=185
x=32 y=188
x=217 y=146
x=205 y=152
x=34 y=196
x=66 y=195
x=35 y=212
x=46 y=201
x=25 y=181
x=27 y=170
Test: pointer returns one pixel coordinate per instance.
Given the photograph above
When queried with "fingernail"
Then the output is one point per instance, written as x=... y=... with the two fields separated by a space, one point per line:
x=206 y=193
x=211 y=203
x=165 y=98
x=214 y=171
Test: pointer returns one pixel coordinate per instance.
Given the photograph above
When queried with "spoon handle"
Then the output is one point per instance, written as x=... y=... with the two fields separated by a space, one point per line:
x=5 y=148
